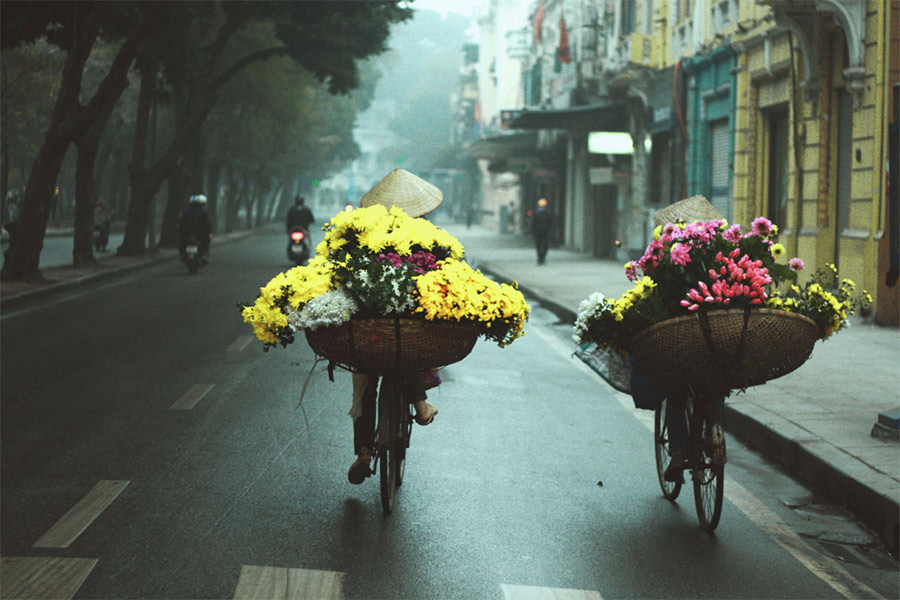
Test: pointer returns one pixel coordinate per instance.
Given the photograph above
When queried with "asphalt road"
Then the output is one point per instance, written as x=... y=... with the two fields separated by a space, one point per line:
x=144 y=430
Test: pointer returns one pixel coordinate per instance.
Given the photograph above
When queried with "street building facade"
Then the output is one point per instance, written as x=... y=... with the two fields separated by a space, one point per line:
x=780 y=108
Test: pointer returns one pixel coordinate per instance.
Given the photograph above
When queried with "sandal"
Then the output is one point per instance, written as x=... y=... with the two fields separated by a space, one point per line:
x=360 y=469
x=428 y=415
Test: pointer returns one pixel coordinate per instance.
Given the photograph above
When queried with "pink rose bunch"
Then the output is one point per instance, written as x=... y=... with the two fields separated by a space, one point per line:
x=744 y=278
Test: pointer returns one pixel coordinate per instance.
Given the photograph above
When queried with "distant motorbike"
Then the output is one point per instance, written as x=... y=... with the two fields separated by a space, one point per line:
x=192 y=256
x=101 y=238
x=298 y=249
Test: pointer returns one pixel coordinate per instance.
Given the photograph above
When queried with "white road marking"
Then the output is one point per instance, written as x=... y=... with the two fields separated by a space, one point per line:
x=240 y=343
x=80 y=516
x=191 y=397
x=825 y=568
x=276 y=583
x=43 y=577
x=529 y=592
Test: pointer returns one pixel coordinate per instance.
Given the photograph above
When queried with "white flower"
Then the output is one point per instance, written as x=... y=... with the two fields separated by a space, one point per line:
x=587 y=310
x=334 y=307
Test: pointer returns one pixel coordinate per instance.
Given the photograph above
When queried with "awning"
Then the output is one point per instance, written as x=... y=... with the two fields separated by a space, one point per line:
x=595 y=117
x=505 y=145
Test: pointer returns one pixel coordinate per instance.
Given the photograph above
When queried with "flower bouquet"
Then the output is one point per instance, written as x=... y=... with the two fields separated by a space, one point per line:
x=387 y=291
x=705 y=310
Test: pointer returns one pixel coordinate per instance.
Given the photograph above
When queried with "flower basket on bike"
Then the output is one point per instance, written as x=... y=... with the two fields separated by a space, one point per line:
x=382 y=345
x=714 y=352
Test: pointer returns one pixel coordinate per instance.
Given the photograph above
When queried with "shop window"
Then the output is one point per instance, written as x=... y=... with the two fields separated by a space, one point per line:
x=778 y=124
x=626 y=26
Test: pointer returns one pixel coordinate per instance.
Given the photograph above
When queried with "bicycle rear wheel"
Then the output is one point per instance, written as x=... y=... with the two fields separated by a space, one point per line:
x=708 y=476
x=391 y=440
x=670 y=489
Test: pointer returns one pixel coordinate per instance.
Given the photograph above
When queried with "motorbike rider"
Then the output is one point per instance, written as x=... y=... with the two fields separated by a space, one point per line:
x=195 y=222
x=299 y=215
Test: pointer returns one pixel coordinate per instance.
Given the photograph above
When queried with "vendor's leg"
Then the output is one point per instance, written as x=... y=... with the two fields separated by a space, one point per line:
x=364 y=425
x=364 y=434
x=676 y=428
x=414 y=387
x=675 y=424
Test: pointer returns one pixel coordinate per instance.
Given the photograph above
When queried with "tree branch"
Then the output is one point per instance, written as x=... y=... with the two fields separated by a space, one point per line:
x=245 y=62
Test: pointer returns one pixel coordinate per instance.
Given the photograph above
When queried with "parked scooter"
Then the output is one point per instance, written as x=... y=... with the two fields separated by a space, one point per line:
x=192 y=255
x=298 y=249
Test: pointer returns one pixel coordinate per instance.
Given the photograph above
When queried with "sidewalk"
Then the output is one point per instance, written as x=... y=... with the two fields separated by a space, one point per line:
x=816 y=422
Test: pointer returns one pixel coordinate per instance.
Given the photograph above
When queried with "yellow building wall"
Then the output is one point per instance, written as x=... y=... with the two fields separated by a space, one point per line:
x=764 y=81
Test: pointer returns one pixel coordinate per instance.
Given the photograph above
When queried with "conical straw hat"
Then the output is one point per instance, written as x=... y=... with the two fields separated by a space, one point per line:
x=695 y=208
x=401 y=188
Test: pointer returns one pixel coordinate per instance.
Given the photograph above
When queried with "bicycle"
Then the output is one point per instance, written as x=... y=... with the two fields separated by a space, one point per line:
x=393 y=431
x=704 y=449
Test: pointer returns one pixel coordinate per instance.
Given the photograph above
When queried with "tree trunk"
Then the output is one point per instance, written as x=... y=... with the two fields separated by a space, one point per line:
x=83 y=250
x=26 y=237
x=214 y=173
x=135 y=238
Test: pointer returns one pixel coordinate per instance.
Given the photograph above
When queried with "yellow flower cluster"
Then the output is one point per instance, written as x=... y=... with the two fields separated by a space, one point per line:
x=291 y=288
x=378 y=229
x=642 y=289
x=457 y=292
x=823 y=300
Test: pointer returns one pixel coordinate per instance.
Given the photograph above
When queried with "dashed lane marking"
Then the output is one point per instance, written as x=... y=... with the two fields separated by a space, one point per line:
x=80 y=516
x=192 y=396
x=824 y=567
x=240 y=343
x=43 y=577
x=529 y=592
x=288 y=584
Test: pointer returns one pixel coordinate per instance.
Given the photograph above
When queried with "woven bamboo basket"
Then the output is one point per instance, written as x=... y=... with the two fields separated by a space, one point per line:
x=718 y=351
x=384 y=345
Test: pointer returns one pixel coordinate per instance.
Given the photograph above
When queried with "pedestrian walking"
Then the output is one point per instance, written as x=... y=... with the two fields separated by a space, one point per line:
x=540 y=228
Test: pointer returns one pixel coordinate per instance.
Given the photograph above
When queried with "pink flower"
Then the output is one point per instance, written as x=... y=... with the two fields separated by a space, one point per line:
x=796 y=265
x=762 y=226
x=732 y=234
x=681 y=254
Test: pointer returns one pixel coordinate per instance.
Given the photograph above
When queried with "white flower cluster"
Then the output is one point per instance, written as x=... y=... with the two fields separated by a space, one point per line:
x=589 y=307
x=390 y=294
x=331 y=308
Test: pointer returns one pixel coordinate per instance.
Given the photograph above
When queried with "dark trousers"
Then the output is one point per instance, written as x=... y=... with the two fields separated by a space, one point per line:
x=542 y=244
x=413 y=390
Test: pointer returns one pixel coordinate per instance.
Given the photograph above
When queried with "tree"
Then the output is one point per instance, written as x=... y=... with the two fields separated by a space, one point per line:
x=29 y=80
x=73 y=26
x=326 y=38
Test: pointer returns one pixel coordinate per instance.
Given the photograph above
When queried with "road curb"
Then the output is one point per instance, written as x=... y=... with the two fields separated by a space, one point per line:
x=876 y=510
x=800 y=458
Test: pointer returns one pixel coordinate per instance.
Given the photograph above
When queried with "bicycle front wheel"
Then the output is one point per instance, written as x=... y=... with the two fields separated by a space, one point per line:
x=670 y=489
x=709 y=473
x=391 y=444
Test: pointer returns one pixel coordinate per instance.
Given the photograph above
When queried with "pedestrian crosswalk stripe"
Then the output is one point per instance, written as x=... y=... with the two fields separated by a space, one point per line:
x=530 y=592
x=192 y=396
x=43 y=577
x=240 y=343
x=80 y=516
x=288 y=584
